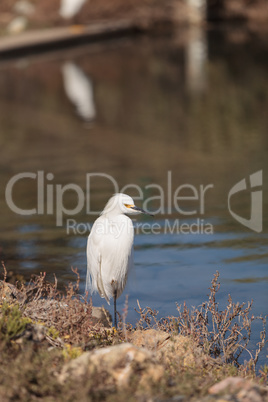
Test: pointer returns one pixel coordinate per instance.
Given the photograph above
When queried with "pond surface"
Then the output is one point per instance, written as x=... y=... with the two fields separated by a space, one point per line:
x=190 y=108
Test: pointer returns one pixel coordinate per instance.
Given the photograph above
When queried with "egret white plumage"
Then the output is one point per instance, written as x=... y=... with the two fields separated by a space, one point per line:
x=110 y=248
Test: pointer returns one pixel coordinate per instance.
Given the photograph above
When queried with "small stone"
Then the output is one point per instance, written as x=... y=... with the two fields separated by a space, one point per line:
x=24 y=7
x=150 y=339
x=184 y=350
x=252 y=393
x=33 y=332
x=225 y=400
x=176 y=347
x=101 y=315
x=17 y=25
x=119 y=363
x=247 y=391
x=230 y=384
x=38 y=333
x=9 y=292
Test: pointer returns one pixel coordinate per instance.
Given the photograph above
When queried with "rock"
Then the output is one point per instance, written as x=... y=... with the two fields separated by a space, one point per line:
x=33 y=332
x=150 y=339
x=36 y=333
x=245 y=390
x=254 y=394
x=8 y=291
x=183 y=349
x=17 y=25
x=100 y=314
x=170 y=348
x=231 y=384
x=119 y=363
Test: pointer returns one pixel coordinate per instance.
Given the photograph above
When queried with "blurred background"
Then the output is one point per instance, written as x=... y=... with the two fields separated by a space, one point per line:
x=182 y=89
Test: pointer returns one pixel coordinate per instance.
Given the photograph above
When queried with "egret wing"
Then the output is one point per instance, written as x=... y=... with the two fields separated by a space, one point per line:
x=94 y=262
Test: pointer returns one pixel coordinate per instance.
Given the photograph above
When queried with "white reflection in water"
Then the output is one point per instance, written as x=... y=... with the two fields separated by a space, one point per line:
x=199 y=6
x=79 y=89
x=69 y=8
x=196 y=59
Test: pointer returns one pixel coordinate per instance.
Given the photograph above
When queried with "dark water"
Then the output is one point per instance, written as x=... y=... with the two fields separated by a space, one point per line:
x=190 y=108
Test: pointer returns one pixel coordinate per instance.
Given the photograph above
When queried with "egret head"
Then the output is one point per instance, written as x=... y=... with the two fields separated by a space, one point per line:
x=122 y=203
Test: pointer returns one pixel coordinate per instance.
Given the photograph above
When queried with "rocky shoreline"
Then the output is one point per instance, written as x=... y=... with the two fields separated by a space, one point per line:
x=56 y=346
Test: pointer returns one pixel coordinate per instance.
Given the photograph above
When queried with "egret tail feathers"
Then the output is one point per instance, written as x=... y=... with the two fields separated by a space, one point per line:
x=100 y=286
x=101 y=289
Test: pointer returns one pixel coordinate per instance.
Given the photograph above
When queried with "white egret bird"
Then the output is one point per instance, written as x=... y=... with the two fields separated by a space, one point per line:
x=110 y=248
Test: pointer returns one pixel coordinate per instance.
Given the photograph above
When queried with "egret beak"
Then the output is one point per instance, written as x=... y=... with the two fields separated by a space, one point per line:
x=140 y=210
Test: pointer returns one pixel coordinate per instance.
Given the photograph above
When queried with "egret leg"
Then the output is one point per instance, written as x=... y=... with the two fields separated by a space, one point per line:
x=115 y=316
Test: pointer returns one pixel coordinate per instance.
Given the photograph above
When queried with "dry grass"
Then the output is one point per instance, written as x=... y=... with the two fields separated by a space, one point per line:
x=67 y=314
x=29 y=368
x=223 y=334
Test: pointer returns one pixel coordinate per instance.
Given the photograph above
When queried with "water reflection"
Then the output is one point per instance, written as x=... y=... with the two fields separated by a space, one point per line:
x=79 y=89
x=196 y=60
x=198 y=10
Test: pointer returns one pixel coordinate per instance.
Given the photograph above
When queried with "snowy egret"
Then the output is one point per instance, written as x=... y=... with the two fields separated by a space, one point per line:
x=110 y=248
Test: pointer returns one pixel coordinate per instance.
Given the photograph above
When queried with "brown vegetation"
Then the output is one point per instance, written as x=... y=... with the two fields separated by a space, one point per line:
x=52 y=349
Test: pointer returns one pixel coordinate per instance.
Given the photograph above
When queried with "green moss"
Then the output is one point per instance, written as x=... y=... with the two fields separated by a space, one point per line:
x=71 y=352
x=12 y=323
x=53 y=333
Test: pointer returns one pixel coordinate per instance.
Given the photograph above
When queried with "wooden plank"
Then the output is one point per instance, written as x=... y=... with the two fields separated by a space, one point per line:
x=40 y=39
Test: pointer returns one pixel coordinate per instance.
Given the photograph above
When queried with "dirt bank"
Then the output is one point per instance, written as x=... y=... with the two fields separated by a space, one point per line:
x=19 y=15
x=54 y=348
